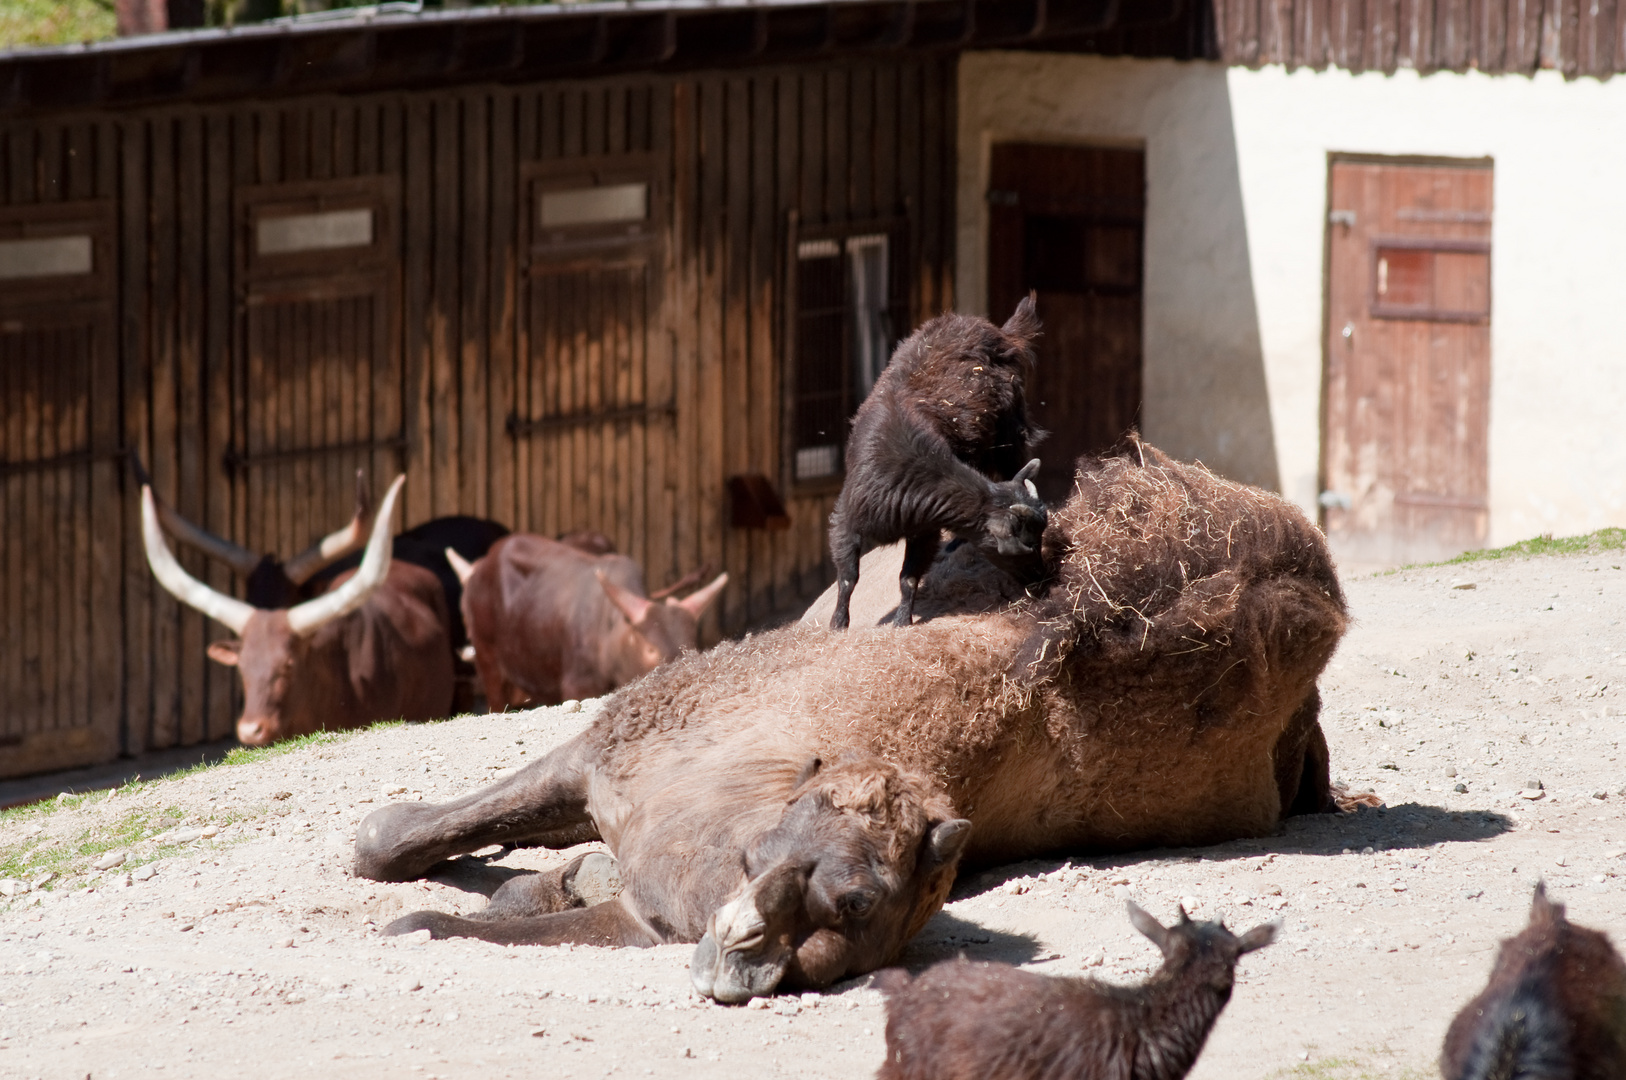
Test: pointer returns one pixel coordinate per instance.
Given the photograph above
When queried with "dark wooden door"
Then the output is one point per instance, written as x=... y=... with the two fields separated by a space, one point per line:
x=61 y=510
x=1068 y=222
x=1408 y=360
x=320 y=390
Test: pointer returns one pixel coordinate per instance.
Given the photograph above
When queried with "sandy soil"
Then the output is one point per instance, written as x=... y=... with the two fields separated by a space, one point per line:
x=254 y=953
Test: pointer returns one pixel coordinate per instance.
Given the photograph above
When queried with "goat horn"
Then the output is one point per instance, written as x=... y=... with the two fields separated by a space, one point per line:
x=337 y=544
x=305 y=619
x=460 y=566
x=226 y=610
x=1028 y=471
x=239 y=559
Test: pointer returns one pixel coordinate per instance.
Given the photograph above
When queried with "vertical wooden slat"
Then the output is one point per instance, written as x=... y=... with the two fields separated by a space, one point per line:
x=706 y=509
x=190 y=283
x=109 y=502
x=733 y=300
x=474 y=461
x=660 y=514
x=133 y=297
x=417 y=253
x=443 y=311
x=523 y=450
x=762 y=277
x=219 y=318
x=502 y=503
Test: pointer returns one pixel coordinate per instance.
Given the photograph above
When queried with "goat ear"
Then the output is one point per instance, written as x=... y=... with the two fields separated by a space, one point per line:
x=1543 y=910
x=1257 y=938
x=947 y=841
x=225 y=651
x=1155 y=931
x=1024 y=321
x=629 y=603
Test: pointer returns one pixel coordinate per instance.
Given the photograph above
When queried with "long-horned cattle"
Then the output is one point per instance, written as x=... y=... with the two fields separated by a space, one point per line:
x=939 y=445
x=966 y=1021
x=797 y=802
x=1554 y=1008
x=374 y=647
x=552 y=619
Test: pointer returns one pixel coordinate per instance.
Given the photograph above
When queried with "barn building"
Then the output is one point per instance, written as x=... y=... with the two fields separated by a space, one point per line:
x=629 y=267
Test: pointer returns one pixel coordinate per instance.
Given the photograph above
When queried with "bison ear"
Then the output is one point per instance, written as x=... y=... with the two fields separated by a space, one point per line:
x=1257 y=938
x=809 y=771
x=947 y=841
x=225 y=651
x=1024 y=321
x=629 y=603
x=1155 y=931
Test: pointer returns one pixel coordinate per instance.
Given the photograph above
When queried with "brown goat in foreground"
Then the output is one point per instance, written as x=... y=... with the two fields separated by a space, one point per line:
x=1554 y=1009
x=965 y=1021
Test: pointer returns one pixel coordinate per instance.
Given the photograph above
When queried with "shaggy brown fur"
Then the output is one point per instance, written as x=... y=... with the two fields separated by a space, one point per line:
x=965 y=1021
x=1554 y=1009
x=1201 y=736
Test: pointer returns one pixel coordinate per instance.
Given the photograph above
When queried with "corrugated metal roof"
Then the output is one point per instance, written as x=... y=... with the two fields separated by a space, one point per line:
x=385 y=47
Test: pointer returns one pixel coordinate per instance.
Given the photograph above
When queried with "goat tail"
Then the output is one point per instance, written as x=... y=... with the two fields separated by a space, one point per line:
x=1521 y=1037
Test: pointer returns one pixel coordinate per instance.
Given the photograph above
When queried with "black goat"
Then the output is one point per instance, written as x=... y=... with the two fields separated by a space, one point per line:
x=1554 y=1008
x=961 y=1020
x=945 y=419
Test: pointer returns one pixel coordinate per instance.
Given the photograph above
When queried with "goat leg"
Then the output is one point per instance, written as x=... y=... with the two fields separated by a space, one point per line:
x=918 y=553
x=844 y=551
x=542 y=805
x=610 y=923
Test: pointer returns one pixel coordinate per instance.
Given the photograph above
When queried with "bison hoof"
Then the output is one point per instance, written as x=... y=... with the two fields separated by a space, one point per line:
x=597 y=879
x=384 y=850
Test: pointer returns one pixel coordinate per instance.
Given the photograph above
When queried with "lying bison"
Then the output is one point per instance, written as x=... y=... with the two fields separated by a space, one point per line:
x=797 y=802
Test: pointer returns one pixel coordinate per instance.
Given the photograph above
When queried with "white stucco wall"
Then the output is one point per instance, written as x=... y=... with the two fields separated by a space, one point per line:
x=1215 y=137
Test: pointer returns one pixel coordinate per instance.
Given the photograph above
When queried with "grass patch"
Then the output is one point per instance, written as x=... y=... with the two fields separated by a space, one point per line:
x=1592 y=543
x=26 y=23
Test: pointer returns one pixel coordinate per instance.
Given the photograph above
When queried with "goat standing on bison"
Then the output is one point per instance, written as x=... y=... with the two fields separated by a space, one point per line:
x=1175 y=706
x=373 y=647
x=946 y=414
x=550 y=620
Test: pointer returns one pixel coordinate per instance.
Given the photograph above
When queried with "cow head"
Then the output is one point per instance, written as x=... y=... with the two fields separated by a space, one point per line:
x=280 y=696
x=862 y=857
x=656 y=630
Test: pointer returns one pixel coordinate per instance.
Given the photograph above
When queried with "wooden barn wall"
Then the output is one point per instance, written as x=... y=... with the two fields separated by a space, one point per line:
x=1576 y=37
x=740 y=155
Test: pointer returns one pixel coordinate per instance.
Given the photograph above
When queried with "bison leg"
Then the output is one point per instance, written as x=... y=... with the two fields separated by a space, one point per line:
x=1303 y=769
x=844 y=550
x=609 y=923
x=918 y=554
x=542 y=805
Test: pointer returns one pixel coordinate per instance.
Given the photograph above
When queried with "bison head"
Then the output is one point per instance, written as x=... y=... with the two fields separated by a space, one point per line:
x=862 y=857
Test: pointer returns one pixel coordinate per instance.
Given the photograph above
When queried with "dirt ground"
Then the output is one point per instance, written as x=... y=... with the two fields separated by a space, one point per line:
x=252 y=952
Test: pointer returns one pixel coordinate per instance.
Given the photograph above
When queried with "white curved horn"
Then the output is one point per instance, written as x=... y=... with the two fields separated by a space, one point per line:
x=306 y=618
x=460 y=566
x=226 y=610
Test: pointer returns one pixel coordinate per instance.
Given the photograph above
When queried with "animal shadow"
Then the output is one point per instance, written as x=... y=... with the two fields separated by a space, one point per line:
x=476 y=873
x=948 y=936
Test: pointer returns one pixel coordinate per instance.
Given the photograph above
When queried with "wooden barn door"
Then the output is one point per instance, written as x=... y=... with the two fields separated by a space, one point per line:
x=594 y=405
x=61 y=507
x=320 y=387
x=1068 y=222
x=1408 y=359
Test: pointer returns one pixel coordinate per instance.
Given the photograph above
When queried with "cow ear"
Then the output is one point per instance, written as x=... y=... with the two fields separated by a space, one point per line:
x=947 y=841
x=629 y=603
x=225 y=651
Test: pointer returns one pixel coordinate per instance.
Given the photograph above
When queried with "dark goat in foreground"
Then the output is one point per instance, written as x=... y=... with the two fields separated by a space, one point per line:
x=965 y=1020
x=945 y=418
x=1554 y=1009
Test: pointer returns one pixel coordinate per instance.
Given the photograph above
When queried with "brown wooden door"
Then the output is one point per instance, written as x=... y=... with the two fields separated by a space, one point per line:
x=321 y=388
x=1068 y=222
x=1408 y=360
x=593 y=420
x=61 y=510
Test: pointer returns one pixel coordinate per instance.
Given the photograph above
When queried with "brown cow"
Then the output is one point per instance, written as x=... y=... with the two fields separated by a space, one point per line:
x=550 y=620
x=1175 y=705
x=374 y=647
